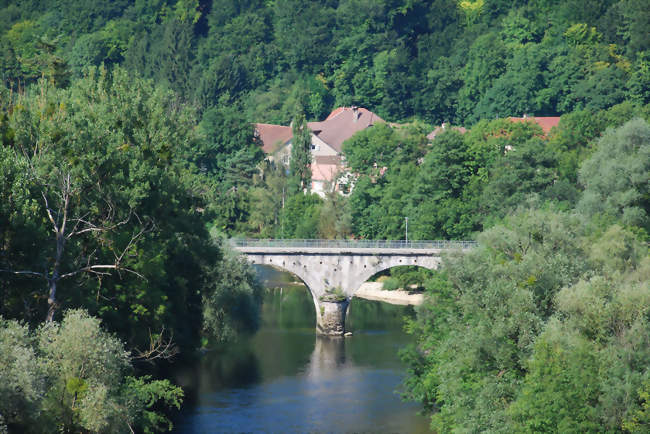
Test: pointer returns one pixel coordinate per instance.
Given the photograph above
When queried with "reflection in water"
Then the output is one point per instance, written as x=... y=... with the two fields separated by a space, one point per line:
x=286 y=379
x=328 y=357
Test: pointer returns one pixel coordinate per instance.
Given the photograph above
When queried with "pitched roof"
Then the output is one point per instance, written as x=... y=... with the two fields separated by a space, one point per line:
x=442 y=128
x=273 y=136
x=342 y=123
x=546 y=122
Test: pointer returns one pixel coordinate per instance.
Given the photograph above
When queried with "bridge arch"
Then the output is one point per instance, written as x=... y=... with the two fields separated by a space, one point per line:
x=295 y=267
x=363 y=278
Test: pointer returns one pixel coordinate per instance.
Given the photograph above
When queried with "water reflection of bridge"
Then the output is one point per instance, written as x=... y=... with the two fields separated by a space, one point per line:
x=333 y=270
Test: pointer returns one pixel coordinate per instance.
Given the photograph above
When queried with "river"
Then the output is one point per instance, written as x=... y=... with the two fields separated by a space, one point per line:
x=286 y=379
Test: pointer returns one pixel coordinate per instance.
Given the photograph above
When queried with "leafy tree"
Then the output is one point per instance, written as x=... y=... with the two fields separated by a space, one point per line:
x=300 y=216
x=302 y=31
x=76 y=378
x=529 y=168
x=437 y=101
x=562 y=389
x=231 y=306
x=115 y=154
x=495 y=301
x=516 y=91
x=369 y=150
x=486 y=62
x=230 y=151
x=300 y=164
x=334 y=219
x=615 y=177
x=437 y=198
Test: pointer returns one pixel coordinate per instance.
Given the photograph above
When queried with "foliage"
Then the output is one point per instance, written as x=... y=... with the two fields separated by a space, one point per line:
x=400 y=58
x=76 y=379
x=552 y=326
x=231 y=304
x=333 y=295
x=300 y=165
x=115 y=157
x=616 y=175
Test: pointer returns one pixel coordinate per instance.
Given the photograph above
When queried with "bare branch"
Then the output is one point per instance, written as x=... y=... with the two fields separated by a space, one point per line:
x=96 y=269
x=91 y=227
x=32 y=273
x=66 y=201
x=159 y=348
x=131 y=242
x=49 y=213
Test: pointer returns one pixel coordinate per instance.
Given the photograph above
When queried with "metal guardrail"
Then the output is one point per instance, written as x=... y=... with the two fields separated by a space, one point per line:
x=351 y=244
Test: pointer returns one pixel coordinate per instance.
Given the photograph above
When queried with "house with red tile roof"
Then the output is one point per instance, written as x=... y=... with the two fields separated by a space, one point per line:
x=327 y=139
x=546 y=122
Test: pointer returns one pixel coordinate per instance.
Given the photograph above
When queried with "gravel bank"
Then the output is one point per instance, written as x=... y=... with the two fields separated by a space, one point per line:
x=373 y=291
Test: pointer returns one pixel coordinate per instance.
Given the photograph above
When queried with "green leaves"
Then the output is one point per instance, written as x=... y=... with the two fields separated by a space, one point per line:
x=543 y=327
x=615 y=177
x=75 y=379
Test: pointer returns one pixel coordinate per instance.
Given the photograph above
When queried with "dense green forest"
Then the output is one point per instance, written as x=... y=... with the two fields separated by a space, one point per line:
x=128 y=153
x=238 y=62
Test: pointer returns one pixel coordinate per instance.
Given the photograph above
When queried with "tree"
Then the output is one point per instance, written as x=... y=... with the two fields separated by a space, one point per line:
x=494 y=302
x=487 y=59
x=530 y=168
x=77 y=377
x=67 y=223
x=369 y=150
x=113 y=158
x=300 y=164
x=615 y=177
x=335 y=219
x=436 y=201
x=231 y=306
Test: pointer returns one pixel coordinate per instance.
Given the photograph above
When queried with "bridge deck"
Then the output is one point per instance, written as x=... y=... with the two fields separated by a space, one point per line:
x=359 y=247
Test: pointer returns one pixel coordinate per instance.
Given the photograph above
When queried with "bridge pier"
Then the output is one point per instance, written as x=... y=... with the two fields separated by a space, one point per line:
x=330 y=316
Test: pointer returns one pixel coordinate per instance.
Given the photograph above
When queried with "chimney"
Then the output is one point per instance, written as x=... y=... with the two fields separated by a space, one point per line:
x=355 y=113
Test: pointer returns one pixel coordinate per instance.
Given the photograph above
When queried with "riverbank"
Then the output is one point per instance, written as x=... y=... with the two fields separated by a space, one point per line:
x=374 y=291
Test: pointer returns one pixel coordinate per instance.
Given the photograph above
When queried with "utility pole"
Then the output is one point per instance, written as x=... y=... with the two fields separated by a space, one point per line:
x=407 y=229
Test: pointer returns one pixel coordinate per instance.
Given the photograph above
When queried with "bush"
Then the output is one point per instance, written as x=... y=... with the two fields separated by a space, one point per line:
x=390 y=284
x=72 y=377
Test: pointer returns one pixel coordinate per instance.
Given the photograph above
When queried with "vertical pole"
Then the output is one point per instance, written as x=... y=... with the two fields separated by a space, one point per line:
x=407 y=230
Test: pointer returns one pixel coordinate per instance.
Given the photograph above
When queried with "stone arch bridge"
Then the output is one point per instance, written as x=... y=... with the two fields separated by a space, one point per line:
x=333 y=270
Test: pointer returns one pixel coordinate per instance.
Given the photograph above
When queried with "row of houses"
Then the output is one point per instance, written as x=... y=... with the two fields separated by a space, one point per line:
x=327 y=137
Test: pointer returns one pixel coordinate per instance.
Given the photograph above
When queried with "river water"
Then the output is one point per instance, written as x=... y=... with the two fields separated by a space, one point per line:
x=286 y=379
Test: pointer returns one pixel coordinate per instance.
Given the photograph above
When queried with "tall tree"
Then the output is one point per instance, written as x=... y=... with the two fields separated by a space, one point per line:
x=300 y=164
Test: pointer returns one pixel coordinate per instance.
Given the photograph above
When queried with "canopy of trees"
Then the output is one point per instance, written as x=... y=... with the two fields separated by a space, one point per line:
x=545 y=326
x=441 y=60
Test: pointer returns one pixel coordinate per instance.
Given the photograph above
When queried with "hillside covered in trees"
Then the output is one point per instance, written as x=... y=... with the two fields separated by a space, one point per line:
x=239 y=62
x=442 y=60
x=127 y=153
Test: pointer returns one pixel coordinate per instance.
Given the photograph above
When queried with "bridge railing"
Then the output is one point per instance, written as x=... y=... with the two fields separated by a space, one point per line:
x=351 y=244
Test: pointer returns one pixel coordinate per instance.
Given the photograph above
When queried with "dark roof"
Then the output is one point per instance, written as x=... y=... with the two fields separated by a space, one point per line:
x=342 y=123
x=273 y=136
